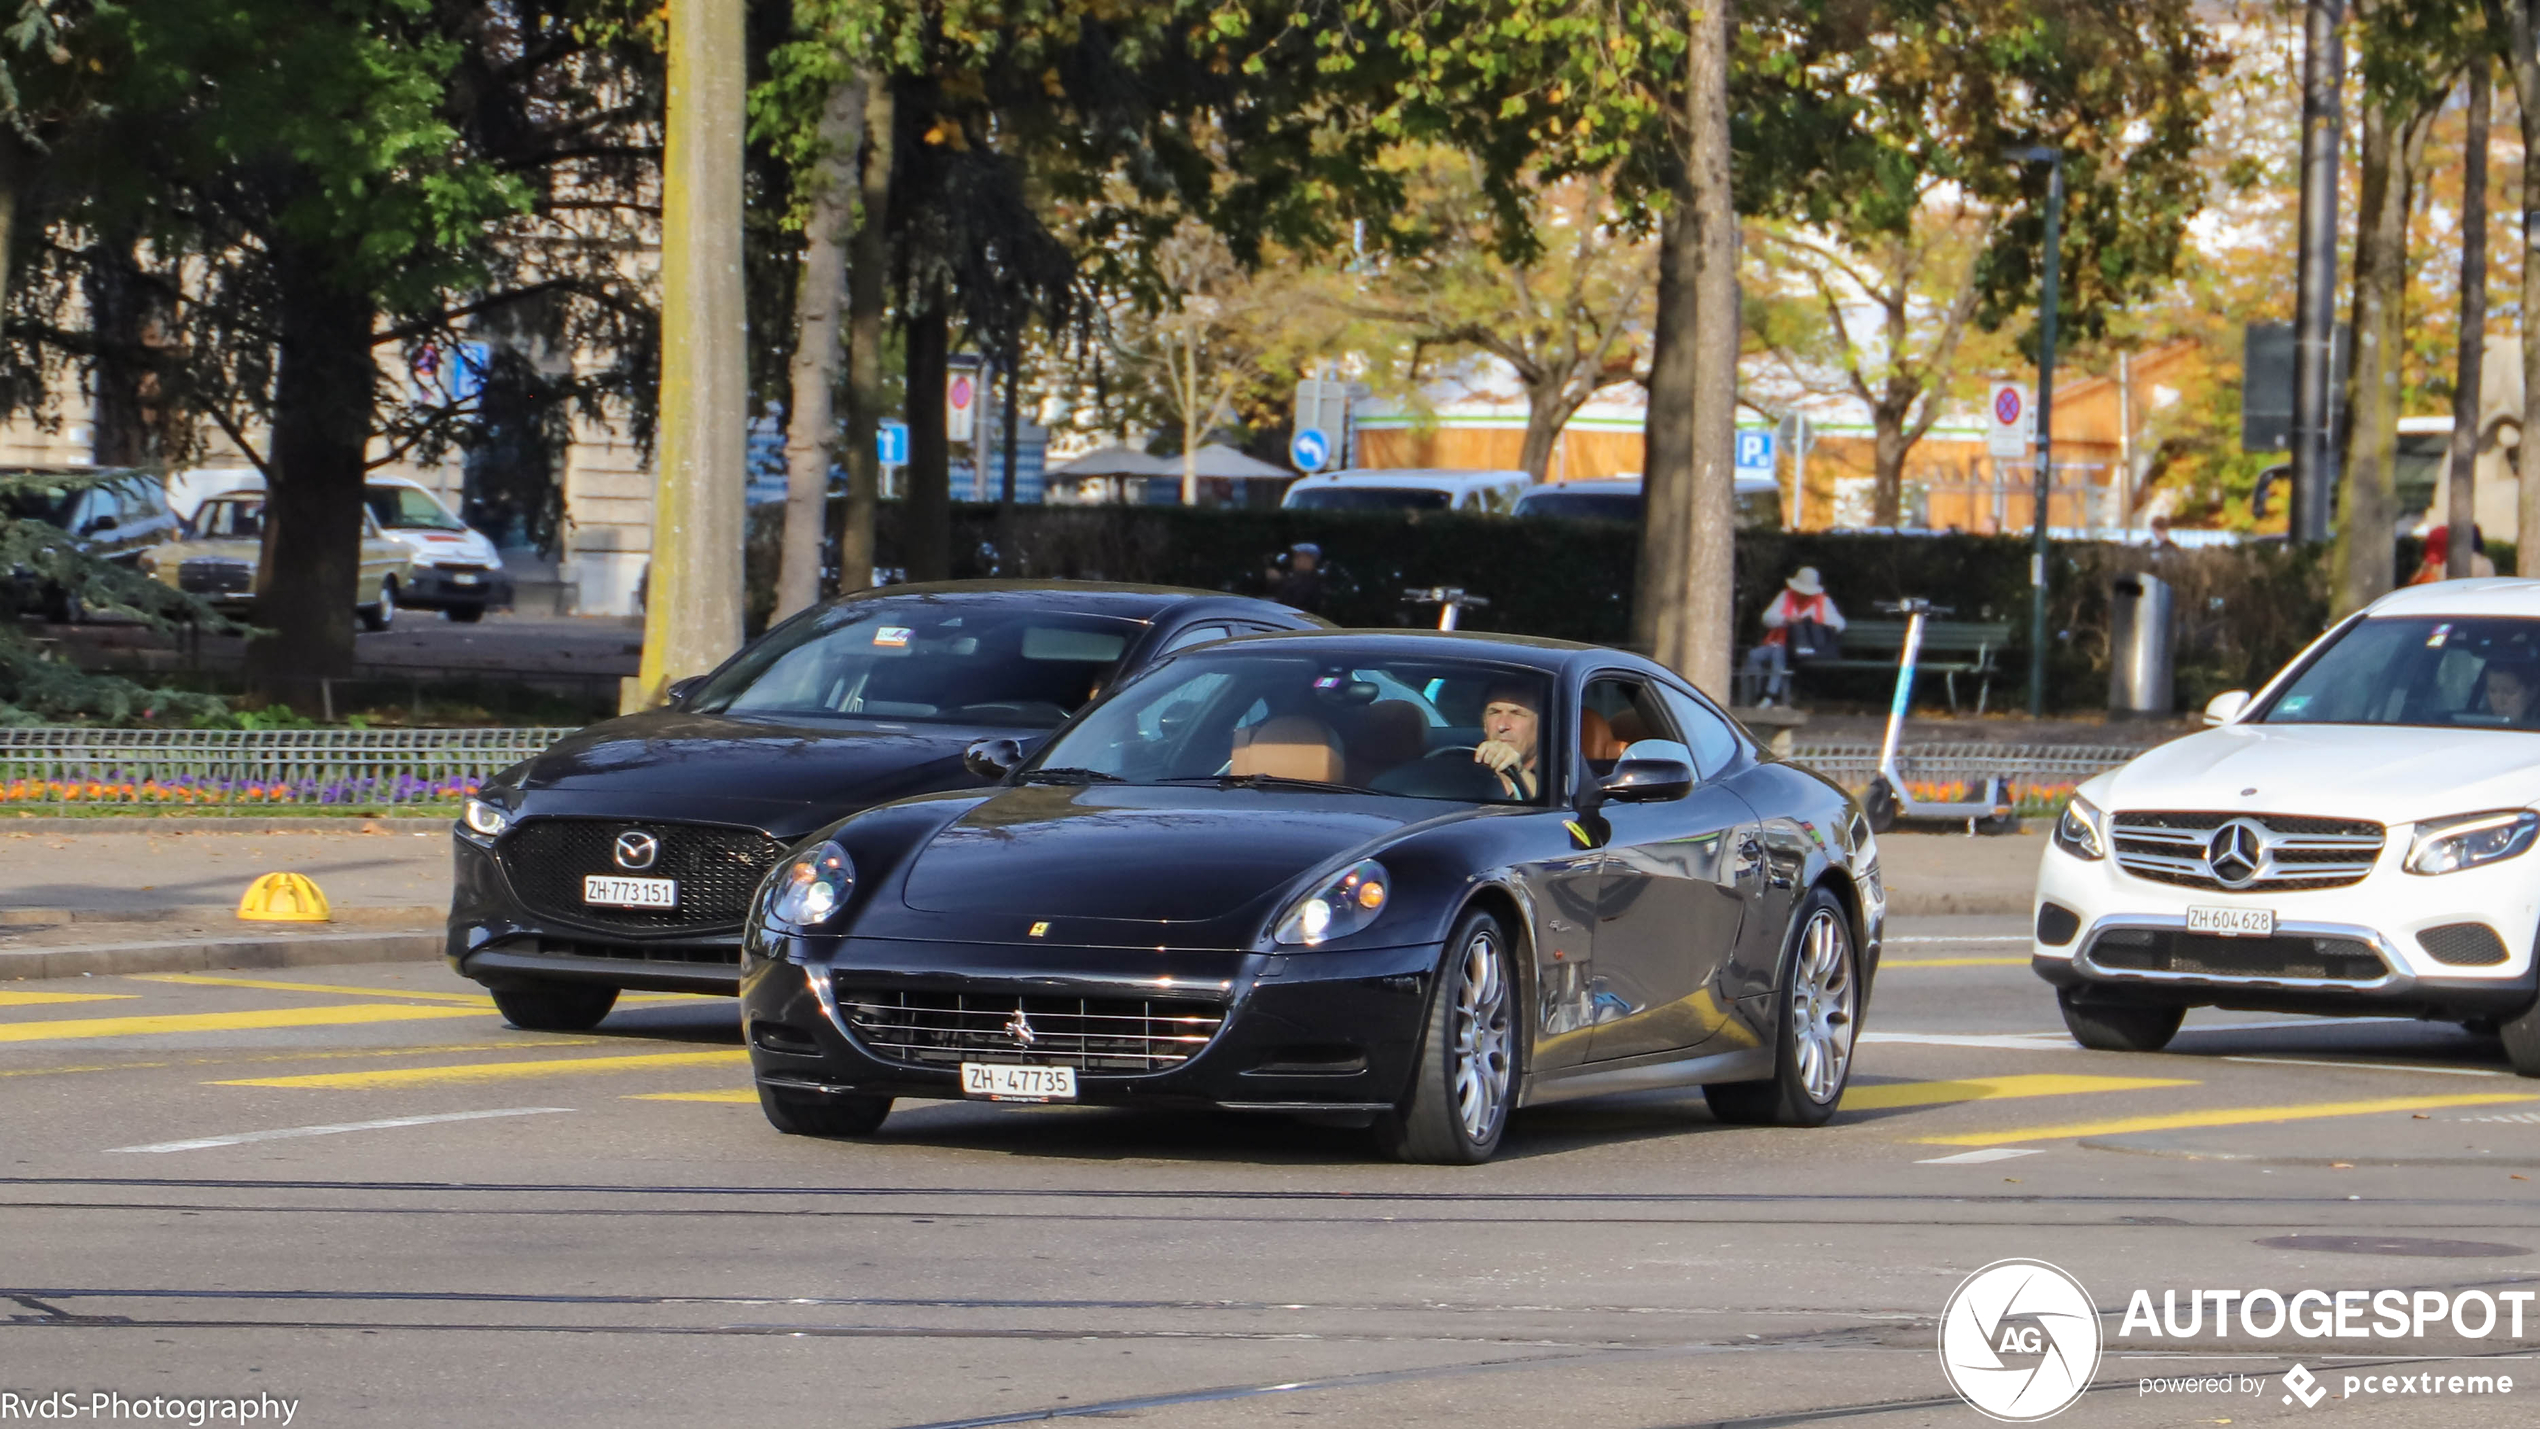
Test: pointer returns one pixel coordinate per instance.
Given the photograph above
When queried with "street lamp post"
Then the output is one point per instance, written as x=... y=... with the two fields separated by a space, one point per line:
x=2048 y=299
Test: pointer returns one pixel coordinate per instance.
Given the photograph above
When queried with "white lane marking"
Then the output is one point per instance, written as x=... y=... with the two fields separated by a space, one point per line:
x=238 y=1138
x=1979 y=1157
x=2313 y=1022
x=2014 y=1041
x=1974 y=938
x=2369 y=1066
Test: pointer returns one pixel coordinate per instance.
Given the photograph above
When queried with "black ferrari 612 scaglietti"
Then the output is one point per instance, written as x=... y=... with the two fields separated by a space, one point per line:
x=1416 y=878
x=625 y=855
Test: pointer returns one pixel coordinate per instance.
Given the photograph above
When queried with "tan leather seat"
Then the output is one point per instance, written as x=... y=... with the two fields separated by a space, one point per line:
x=1288 y=747
x=1629 y=729
x=1597 y=741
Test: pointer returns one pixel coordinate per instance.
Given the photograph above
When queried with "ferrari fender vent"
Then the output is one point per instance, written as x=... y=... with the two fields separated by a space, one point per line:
x=2161 y=950
x=717 y=869
x=2463 y=945
x=1098 y=1034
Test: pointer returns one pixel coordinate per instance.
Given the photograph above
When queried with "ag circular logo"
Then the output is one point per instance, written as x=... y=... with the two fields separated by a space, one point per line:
x=2020 y=1340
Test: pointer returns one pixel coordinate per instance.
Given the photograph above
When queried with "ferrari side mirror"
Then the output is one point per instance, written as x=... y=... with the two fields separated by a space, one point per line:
x=1647 y=781
x=993 y=759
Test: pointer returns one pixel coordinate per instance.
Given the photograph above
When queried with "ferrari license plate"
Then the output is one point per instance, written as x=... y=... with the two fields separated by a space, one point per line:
x=2232 y=922
x=1007 y=1082
x=610 y=891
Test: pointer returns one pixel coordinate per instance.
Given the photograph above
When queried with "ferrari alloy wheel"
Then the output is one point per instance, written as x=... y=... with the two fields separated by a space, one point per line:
x=1819 y=1016
x=1466 y=1075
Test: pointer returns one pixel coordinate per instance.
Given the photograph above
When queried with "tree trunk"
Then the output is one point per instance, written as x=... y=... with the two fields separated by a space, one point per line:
x=121 y=430
x=1549 y=408
x=2364 y=541
x=926 y=535
x=1667 y=438
x=1192 y=423
x=1889 y=447
x=14 y=166
x=1011 y=438
x=1708 y=595
x=2462 y=517
x=307 y=578
x=868 y=262
x=811 y=429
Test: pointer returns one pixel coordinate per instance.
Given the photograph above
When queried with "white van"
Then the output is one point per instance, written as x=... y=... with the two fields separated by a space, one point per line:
x=1490 y=493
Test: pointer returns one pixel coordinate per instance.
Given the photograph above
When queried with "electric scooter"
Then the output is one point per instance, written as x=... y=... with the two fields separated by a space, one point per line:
x=1889 y=800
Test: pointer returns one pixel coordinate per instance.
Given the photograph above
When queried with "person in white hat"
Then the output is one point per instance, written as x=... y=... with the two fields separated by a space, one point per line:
x=1800 y=608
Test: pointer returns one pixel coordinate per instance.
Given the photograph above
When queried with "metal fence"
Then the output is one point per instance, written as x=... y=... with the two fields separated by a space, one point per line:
x=218 y=769
x=2041 y=775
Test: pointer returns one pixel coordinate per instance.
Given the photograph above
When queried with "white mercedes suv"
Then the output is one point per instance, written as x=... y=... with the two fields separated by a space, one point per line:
x=2355 y=839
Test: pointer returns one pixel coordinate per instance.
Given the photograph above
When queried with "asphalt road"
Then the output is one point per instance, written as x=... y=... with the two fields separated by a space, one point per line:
x=357 y=1189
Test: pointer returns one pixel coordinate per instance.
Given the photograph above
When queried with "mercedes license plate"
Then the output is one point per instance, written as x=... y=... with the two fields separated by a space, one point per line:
x=1007 y=1082
x=2232 y=922
x=610 y=891
x=464 y=578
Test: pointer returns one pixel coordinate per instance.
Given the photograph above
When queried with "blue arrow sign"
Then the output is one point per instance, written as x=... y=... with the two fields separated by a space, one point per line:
x=1308 y=450
x=890 y=443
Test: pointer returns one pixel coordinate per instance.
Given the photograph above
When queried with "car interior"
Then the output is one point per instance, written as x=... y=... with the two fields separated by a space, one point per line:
x=1027 y=672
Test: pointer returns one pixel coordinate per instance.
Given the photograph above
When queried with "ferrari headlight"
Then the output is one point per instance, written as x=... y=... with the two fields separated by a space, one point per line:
x=1346 y=904
x=812 y=886
x=484 y=818
x=2077 y=832
x=2450 y=845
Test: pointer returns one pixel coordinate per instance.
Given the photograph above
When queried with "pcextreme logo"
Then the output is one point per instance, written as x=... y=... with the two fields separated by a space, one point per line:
x=2020 y=1340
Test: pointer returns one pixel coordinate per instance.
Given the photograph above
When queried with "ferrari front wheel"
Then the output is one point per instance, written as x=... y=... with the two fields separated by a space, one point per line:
x=1466 y=1076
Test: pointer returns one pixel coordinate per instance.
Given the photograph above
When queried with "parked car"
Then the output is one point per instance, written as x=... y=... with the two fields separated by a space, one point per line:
x=2349 y=842
x=1618 y=498
x=109 y=512
x=216 y=559
x=1408 y=489
x=456 y=570
x=1275 y=875
x=625 y=856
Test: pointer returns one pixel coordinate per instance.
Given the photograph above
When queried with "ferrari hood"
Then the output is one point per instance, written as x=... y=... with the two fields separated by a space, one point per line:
x=2391 y=775
x=1170 y=855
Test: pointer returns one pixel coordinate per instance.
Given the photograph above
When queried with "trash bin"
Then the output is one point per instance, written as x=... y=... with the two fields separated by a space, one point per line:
x=2139 y=647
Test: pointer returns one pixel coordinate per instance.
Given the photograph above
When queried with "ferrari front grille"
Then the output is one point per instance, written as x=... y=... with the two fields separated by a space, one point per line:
x=1097 y=1034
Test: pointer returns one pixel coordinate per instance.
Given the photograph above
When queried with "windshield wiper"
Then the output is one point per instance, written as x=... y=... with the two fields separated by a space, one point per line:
x=1066 y=775
x=1270 y=781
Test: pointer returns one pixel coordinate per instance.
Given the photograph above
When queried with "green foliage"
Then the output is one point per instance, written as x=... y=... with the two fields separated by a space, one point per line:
x=40 y=561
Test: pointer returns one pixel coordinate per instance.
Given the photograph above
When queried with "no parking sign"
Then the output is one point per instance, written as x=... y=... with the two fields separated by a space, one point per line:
x=2010 y=421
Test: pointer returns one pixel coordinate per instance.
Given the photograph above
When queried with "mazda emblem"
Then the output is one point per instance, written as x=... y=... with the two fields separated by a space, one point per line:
x=1019 y=1027
x=2236 y=853
x=636 y=850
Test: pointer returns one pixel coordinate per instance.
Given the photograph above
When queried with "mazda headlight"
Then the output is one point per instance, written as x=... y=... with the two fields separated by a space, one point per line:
x=2450 y=845
x=2077 y=832
x=812 y=886
x=483 y=818
x=1346 y=904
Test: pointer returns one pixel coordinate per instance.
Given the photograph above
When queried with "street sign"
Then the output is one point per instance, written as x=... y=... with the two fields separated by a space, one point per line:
x=890 y=443
x=961 y=405
x=2010 y=421
x=1755 y=452
x=1309 y=450
x=1322 y=406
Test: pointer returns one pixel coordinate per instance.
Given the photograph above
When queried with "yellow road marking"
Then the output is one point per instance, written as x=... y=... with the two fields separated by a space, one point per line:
x=728 y=1094
x=332 y=1056
x=66 y=1029
x=1886 y=963
x=494 y=1071
x=477 y=999
x=2218 y=1116
x=46 y=999
x=1974 y=1089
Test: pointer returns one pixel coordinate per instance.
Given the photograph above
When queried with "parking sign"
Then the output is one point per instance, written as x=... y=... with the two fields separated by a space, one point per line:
x=1755 y=451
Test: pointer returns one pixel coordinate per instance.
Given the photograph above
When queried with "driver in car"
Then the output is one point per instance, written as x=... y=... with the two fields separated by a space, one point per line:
x=1510 y=729
x=2511 y=690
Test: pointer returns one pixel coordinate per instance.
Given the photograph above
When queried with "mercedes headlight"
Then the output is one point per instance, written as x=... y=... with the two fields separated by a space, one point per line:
x=2450 y=845
x=483 y=818
x=1346 y=904
x=812 y=886
x=2077 y=832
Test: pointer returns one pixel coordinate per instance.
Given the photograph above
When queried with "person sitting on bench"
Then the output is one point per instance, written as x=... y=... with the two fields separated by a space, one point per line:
x=1802 y=597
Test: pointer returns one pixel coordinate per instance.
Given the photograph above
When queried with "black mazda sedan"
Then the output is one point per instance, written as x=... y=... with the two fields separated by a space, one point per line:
x=1416 y=878
x=625 y=855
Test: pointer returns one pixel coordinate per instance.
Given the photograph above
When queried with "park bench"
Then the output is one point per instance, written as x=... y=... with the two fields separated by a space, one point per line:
x=1950 y=648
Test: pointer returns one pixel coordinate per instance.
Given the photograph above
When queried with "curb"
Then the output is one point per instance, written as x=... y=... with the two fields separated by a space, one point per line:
x=398 y=916
x=214 y=824
x=203 y=955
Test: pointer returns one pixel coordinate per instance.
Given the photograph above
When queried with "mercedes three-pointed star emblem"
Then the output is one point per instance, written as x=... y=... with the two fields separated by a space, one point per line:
x=2236 y=852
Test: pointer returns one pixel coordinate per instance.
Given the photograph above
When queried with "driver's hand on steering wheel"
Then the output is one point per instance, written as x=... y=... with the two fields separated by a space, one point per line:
x=1500 y=757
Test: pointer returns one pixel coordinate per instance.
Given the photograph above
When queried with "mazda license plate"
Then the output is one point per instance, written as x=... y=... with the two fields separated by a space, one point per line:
x=2232 y=922
x=1007 y=1082
x=610 y=891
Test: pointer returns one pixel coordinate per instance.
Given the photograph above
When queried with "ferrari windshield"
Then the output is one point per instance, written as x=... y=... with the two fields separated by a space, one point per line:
x=928 y=659
x=2449 y=672
x=1426 y=728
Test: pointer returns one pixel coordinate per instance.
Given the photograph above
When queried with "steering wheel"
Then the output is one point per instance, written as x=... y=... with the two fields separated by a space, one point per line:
x=1451 y=751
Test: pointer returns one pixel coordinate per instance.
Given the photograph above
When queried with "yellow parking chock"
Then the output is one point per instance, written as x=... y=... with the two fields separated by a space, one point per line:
x=284 y=898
